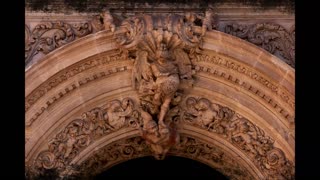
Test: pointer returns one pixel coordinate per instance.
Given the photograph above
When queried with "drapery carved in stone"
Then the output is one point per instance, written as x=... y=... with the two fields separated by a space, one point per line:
x=271 y=37
x=161 y=47
x=241 y=132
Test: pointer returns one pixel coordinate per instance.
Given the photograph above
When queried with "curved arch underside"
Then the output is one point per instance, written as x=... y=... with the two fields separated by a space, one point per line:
x=248 y=92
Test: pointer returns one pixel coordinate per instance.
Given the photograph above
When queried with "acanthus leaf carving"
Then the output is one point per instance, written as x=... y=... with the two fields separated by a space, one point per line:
x=272 y=37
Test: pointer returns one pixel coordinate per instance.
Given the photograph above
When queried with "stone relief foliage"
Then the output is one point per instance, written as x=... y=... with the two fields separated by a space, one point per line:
x=114 y=153
x=196 y=149
x=241 y=133
x=161 y=47
x=271 y=37
x=81 y=132
x=135 y=147
x=48 y=36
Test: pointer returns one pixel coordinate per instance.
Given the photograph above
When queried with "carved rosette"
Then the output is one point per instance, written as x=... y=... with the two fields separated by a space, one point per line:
x=272 y=37
x=81 y=132
x=240 y=132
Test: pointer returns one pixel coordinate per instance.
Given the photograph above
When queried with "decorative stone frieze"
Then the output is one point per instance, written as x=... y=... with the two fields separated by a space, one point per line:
x=270 y=36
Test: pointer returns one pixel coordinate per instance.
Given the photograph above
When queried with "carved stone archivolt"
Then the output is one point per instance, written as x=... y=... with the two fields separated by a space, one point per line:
x=81 y=132
x=159 y=140
x=136 y=147
x=242 y=133
x=165 y=54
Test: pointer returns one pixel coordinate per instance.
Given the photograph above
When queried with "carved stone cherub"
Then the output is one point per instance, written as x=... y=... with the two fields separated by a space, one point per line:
x=116 y=112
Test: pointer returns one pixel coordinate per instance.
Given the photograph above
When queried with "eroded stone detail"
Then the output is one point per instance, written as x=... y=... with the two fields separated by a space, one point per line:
x=161 y=140
x=242 y=133
x=136 y=147
x=81 y=132
x=70 y=72
x=232 y=65
x=202 y=151
x=161 y=46
x=271 y=37
x=46 y=37
x=114 y=153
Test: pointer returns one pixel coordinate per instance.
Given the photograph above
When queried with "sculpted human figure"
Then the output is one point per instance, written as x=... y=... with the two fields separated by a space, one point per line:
x=116 y=114
x=167 y=81
x=160 y=137
x=108 y=21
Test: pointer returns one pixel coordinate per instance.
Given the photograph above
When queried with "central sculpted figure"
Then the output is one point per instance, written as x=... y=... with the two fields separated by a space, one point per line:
x=166 y=83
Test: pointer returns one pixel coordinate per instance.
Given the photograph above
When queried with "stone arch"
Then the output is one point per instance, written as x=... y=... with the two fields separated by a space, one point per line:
x=247 y=94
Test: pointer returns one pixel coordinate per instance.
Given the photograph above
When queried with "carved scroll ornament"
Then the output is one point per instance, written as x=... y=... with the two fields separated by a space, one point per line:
x=271 y=37
x=242 y=133
x=48 y=36
x=81 y=132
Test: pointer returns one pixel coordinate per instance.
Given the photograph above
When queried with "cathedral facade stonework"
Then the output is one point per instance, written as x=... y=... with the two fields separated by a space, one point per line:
x=215 y=85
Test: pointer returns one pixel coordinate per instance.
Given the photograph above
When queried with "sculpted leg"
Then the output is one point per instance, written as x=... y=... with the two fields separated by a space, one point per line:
x=163 y=111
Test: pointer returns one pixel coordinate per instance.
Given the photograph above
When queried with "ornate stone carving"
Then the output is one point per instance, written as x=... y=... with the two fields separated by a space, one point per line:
x=64 y=75
x=196 y=149
x=161 y=47
x=136 y=147
x=79 y=133
x=114 y=153
x=271 y=37
x=227 y=63
x=240 y=132
x=108 y=21
x=48 y=36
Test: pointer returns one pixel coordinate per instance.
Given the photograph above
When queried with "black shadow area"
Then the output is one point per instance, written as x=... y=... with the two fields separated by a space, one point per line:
x=171 y=166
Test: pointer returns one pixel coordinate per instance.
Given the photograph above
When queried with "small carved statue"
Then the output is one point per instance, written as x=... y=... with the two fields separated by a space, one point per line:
x=207 y=21
x=116 y=112
x=160 y=137
x=167 y=81
x=108 y=21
